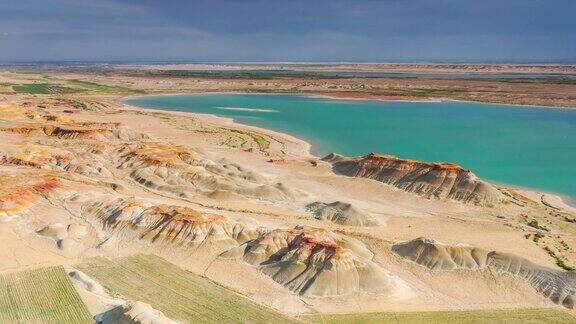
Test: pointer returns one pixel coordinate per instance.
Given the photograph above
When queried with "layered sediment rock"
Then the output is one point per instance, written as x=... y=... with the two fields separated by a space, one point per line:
x=317 y=262
x=341 y=213
x=166 y=224
x=430 y=180
x=20 y=193
x=56 y=159
x=16 y=112
x=179 y=170
x=559 y=286
x=76 y=130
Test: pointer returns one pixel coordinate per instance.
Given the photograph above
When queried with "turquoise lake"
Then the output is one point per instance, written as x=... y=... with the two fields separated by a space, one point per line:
x=520 y=146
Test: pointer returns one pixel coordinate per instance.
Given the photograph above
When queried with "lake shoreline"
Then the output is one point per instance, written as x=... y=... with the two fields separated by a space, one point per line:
x=307 y=151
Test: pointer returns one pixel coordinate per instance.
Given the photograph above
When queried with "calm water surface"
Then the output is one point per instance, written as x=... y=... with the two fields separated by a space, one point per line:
x=522 y=146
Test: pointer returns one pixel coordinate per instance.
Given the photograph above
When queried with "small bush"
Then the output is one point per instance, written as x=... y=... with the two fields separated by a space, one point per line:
x=537 y=237
x=570 y=220
x=534 y=223
x=559 y=261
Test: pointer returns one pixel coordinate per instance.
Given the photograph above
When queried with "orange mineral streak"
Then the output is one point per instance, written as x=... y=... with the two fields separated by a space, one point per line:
x=184 y=216
x=19 y=197
x=70 y=130
x=305 y=240
x=158 y=154
x=379 y=159
x=430 y=180
x=175 y=224
x=165 y=222
x=318 y=246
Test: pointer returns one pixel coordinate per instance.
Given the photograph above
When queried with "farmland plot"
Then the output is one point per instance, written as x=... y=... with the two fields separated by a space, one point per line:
x=179 y=294
x=41 y=296
x=519 y=316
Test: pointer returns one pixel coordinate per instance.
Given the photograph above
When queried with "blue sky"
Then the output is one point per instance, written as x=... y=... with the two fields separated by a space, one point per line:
x=260 y=30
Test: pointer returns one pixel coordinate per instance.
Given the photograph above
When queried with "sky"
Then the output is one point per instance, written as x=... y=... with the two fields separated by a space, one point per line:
x=294 y=30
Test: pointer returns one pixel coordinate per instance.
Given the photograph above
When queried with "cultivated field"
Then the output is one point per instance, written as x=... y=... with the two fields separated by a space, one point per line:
x=41 y=296
x=461 y=317
x=179 y=294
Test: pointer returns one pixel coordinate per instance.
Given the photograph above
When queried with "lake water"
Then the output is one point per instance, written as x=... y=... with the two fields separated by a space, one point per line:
x=522 y=146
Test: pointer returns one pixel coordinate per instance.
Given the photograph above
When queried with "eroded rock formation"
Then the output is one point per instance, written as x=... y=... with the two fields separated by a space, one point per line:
x=166 y=224
x=56 y=159
x=430 y=180
x=317 y=262
x=559 y=286
x=180 y=170
x=76 y=130
x=340 y=213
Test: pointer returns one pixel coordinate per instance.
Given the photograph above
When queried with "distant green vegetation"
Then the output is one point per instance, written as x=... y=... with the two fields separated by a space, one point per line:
x=72 y=86
x=460 y=317
x=261 y=141
x=43 y=88
x=41 y=296
x=97 y=87
x=263 y=144
x=179 y=294
x=79 y=105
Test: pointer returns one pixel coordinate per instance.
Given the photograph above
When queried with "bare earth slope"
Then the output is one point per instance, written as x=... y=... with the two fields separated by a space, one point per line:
x=559 y=286
x=312 y=261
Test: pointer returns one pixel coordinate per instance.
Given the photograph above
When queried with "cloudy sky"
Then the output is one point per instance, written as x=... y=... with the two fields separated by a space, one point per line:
x=259 y=30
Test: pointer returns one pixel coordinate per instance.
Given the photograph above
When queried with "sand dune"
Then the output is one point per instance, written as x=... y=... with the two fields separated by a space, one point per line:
x=430 y=180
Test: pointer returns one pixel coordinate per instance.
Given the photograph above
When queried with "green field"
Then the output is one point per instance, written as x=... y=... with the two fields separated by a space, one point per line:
x=42 y=88
x=72 y=86
x=461 y=317
x=41 y=296
x=97 y=87
x=179 y=294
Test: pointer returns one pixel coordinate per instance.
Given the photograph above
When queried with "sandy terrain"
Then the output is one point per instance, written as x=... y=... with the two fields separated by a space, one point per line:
x=106 y=179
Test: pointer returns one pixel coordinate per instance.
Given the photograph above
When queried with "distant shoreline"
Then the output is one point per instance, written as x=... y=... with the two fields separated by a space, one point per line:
x=332 y=96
